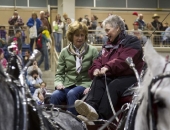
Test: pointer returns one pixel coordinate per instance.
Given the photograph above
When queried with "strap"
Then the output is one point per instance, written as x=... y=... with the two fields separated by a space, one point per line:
x=49 y=106
x=110 y=101
x=111 y=119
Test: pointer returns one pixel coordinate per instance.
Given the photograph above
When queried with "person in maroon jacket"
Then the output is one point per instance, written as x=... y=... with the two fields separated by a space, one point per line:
x=112 y=63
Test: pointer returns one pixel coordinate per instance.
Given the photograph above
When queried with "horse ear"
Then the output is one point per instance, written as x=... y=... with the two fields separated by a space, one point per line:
x=155 y=61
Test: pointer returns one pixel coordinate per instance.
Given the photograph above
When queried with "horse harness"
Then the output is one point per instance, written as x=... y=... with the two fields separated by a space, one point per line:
x=153 y=105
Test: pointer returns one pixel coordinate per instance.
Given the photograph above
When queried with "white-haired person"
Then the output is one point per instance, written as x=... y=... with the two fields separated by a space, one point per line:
x=71 y=79
x=112 y=63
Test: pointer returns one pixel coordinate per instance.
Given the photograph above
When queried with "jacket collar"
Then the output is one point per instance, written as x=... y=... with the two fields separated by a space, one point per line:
x=115 y=44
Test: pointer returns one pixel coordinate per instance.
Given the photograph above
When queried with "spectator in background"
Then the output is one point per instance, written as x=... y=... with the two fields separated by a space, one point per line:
x=58 y=26
x=138 y=33
x=3 y=61
x=2 y=43
x=34 y=81
x=101 y=34
x=44 y=20
x=156 y=24
x=84 y=21
x=34 y=66
x=39 y=94
x=16 y=23
x=141 y=22
x=148 y=28
x=47 y=34
x=23 y=35
x=65 y=16
x=80 y=19
x=26 y=57
x=159 y=27
x=166 y=36
x=165 y=26
x=93 y=23
x=17 y=36
x=34 y=21
x=44 y=52
x=47 y=16
x=2 y=32
x=68 y=23
x=87 y=18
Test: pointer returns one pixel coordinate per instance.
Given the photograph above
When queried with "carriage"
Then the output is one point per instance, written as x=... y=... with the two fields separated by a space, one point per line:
x=20 y=112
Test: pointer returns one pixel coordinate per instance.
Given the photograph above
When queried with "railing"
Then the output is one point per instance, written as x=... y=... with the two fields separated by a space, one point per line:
x=24 y=28
x=93 y=39
x=156 y=38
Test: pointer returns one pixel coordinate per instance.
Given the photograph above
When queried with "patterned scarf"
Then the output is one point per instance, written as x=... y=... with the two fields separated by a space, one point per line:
x=78 y=53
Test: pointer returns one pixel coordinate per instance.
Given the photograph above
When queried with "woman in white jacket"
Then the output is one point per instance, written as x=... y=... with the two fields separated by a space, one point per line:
x=58 y=26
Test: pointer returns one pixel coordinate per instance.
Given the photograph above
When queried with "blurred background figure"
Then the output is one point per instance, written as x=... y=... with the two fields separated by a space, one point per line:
x=138 y=33
x=3 y=61
x=141 y=22
x=126 y=26
x=16 y=23
x=87 y=18
x=39 y=94
x=155 y=23
x=101 y=34
x=58 y=26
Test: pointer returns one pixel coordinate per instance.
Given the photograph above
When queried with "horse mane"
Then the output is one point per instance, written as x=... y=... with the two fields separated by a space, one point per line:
x=151 y=57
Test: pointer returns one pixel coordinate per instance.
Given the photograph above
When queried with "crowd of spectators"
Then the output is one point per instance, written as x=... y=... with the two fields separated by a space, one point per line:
x=141 y=29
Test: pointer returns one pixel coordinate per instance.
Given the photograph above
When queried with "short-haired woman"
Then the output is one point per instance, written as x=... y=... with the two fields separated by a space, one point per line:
x=34 y=21
x=112 y=63
x=71 y=79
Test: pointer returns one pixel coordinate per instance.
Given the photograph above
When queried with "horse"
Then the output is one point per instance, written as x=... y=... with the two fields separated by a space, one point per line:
x=18 y=110
x=154 y=107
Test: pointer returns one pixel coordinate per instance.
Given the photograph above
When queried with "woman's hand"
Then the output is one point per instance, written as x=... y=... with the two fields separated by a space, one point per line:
x=60 y=87
x=96 y=72
x=86 y=91
x=103 y=70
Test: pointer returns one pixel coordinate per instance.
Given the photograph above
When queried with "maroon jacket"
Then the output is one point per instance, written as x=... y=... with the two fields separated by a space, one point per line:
x=113 y=56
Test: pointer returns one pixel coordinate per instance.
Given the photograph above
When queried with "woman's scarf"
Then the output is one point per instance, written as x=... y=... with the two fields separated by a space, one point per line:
x=78 y=53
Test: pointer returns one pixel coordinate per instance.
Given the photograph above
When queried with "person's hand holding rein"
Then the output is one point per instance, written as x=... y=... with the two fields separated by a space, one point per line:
x=96 y=72
x=101 y=72
x=86 y=91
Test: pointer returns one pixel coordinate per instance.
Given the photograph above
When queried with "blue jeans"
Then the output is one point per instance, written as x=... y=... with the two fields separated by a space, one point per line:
x=44 y=55
x=57 y=39
x=31 y=87
x=69 y=94
x=32 y=44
